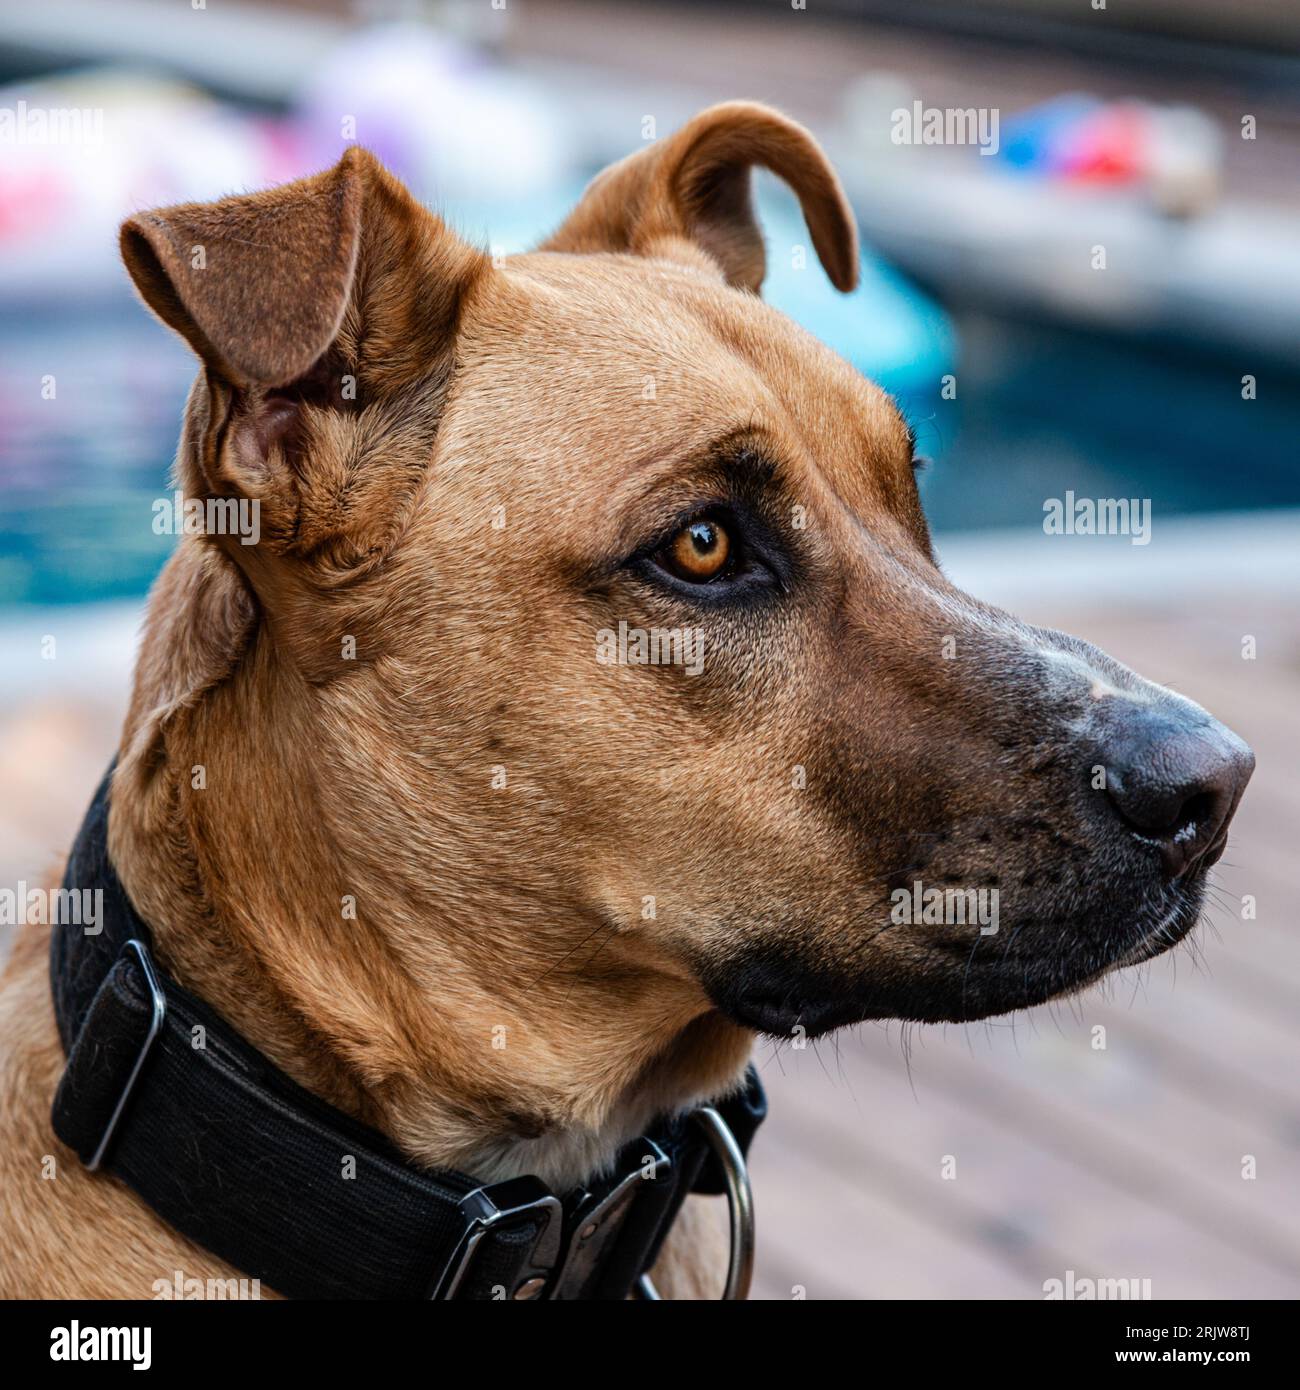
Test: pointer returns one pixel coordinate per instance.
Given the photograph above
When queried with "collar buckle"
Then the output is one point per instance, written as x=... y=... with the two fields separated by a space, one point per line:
x=490 y=1209
x=638 y=1194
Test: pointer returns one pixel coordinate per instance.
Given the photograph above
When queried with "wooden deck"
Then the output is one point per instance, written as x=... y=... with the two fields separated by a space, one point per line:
x=1122 y=1163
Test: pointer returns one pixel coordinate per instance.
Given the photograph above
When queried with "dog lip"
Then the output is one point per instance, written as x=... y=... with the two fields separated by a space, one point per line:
x=783 y=1018
x=963 y=979
x=1172 y=929
x=1214 y=853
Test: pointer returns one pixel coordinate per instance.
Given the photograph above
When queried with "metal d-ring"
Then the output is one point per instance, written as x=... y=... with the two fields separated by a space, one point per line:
x=740 y=1207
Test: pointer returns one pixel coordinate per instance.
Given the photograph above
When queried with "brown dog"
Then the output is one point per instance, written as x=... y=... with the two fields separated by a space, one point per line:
x=406 y=696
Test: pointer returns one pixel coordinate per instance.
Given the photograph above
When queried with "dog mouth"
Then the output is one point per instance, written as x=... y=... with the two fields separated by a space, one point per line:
x=958 y=980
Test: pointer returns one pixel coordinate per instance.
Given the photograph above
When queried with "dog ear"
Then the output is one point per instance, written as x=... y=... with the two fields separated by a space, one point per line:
x=256 y=285
x=306 y=304
x=325 y=314
x=694 y=186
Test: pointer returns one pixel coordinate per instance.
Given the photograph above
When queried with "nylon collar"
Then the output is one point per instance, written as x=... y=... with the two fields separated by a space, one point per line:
x=162 y=1092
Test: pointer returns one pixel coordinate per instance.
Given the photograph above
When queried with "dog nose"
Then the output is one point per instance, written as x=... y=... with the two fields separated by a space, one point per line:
x=1175 y=780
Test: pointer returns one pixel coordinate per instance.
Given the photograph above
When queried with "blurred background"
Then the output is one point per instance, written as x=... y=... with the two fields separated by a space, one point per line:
x=1090 y=286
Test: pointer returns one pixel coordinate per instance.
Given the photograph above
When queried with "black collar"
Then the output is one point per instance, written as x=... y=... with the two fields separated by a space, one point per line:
x=161 y=1091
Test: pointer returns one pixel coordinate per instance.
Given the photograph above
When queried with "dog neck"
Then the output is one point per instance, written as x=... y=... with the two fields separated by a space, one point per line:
x=398 y=981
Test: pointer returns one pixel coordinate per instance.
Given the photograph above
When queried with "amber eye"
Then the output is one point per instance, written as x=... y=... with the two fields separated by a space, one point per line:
x=698 y=552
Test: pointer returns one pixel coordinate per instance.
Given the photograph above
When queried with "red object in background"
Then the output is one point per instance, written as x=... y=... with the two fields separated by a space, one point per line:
x=1112 y=146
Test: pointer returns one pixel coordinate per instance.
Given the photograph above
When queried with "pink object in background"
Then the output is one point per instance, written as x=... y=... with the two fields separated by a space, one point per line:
x=1113 y=145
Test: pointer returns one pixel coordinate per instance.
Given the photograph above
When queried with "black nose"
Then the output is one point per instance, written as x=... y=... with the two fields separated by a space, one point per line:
x=1175 y=780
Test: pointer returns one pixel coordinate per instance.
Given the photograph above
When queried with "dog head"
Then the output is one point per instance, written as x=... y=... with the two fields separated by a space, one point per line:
x=594 y=650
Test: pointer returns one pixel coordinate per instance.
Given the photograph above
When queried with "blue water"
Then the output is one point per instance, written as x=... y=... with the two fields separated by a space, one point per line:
x=79 y=473
x=1041 y=410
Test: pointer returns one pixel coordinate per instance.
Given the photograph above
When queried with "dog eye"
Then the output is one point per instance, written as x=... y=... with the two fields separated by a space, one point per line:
x=698 y=553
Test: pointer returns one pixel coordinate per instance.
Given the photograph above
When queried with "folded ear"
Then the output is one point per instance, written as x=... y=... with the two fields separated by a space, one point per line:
x=694 y=186
x=318 y=309
x=256 y=285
